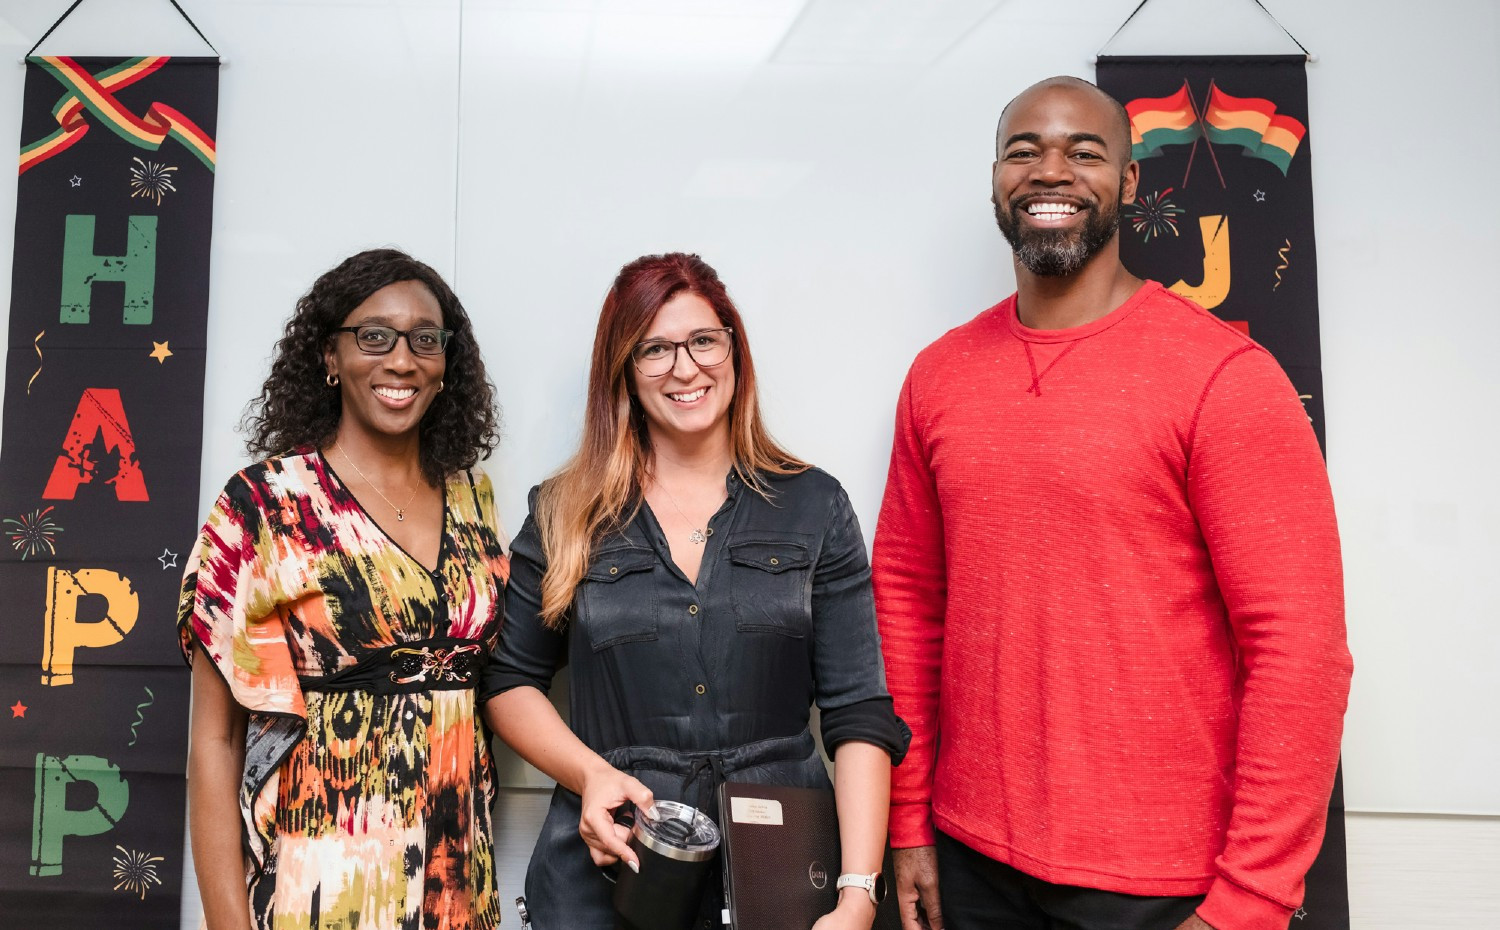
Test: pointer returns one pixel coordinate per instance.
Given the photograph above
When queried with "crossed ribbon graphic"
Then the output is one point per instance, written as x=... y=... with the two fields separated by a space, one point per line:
x=95 y=93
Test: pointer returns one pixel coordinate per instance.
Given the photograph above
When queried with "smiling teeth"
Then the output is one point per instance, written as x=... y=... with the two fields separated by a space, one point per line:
x=1051 y=211
x=396 y=393
x=689 y=398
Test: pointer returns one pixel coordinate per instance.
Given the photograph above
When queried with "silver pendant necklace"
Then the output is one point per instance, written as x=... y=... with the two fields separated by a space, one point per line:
x=400 y=511
x=697 y=537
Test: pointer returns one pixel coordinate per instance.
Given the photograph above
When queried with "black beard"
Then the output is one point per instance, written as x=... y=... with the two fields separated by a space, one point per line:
x=1057 y=253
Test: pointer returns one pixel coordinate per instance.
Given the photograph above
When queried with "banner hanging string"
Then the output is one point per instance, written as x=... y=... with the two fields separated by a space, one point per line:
x=69 y=12
x=1272 y=16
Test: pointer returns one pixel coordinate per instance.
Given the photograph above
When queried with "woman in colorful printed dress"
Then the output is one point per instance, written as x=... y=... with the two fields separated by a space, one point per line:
x=336 y=611
x=706 y=588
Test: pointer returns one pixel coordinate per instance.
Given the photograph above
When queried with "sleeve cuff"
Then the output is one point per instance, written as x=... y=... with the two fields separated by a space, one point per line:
x=911 y=825
x=1230 y=907
x=495 y=682
x=873 y=721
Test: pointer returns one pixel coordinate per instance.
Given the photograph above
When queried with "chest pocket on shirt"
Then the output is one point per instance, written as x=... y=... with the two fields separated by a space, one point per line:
x=617 y=598
x=770 y=583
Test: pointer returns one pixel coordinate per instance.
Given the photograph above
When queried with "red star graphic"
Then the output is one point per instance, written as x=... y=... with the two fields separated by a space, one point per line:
x=18 y=710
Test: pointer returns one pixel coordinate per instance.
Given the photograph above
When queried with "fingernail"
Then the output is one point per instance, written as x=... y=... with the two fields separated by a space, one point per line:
x=634 y=867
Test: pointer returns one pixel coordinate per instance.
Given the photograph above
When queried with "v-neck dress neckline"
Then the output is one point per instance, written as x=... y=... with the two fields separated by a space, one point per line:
x=443 y=532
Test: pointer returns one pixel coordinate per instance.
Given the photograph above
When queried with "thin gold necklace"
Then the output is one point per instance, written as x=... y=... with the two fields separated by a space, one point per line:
x=697 y=538
x=400 y=511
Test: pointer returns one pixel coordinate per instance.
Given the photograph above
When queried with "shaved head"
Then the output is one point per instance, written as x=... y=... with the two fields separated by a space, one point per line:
x=1121 y=120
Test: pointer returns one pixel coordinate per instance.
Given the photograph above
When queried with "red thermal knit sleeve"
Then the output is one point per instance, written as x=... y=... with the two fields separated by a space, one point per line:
x=1258 y=487
x=910 y=591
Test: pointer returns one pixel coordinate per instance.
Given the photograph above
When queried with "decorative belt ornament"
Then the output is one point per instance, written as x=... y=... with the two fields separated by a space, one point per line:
x=434 y=665
x=443 y=663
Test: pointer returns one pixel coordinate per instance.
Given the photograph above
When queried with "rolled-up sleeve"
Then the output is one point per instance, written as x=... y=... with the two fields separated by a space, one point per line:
x=528 y=651
x=851 y=693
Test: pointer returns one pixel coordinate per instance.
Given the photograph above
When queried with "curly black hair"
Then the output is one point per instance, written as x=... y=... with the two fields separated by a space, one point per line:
x=297 y=409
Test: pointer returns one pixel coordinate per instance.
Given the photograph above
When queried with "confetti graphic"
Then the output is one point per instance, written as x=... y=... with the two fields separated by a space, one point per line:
x=1281 y=254
x=139 y=717
x=37 y=345
x=136 y=871
x=151 y=180
x=1154 y=214
x=33 y=533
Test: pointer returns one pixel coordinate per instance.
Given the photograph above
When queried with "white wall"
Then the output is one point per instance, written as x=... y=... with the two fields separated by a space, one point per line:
x=830 y=157
x=835 y=169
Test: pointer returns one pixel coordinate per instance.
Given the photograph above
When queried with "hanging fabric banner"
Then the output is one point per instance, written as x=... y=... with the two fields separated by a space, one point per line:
x=99 y=457
x=1224 y=216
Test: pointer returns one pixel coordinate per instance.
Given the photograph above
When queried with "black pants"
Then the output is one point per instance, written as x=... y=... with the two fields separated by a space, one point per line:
x=979 y=893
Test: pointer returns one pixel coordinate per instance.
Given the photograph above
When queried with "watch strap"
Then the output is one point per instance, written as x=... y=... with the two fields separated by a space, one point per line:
x=857 y=880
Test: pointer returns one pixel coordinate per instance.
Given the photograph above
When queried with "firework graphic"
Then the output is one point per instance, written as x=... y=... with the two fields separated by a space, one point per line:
x=136 y=871
x=1154 y=214
x=34 y=533
x=150 y=180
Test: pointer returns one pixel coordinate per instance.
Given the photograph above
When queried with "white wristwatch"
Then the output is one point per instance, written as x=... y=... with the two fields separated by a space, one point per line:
x=873 y=884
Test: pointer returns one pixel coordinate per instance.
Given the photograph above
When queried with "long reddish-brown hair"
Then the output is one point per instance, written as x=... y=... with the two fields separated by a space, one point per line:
x=600 y=489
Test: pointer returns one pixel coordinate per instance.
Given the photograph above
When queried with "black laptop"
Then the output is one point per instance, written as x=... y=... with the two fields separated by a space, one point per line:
x=781 y=858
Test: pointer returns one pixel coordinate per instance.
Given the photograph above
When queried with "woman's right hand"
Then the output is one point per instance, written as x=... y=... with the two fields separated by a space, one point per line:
x=603 y=792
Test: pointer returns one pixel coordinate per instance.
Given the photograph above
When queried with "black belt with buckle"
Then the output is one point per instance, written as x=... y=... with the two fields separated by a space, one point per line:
x=440 y=664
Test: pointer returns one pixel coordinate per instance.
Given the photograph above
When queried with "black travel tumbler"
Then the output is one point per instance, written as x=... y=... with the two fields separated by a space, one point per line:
x=676 y=845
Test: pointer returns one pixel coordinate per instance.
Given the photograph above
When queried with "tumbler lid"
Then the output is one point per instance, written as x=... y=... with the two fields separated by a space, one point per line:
x=677 y=831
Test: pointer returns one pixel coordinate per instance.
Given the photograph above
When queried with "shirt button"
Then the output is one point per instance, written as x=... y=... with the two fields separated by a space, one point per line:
x=693 y=609
x=701 y=689
x=775 y=561
x=710 y=531
x=614 y=569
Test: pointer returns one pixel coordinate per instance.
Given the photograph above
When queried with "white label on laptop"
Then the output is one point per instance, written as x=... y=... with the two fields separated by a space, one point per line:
x=755 y=810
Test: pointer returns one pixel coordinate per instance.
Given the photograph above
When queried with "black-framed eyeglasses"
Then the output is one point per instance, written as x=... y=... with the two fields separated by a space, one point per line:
x=378 y=340
x=706 y=347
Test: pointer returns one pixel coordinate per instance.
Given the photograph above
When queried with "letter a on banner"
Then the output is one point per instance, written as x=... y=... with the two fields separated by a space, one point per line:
x=99 y=429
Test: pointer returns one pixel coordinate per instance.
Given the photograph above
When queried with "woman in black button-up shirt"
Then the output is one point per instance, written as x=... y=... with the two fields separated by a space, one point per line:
x=707 y=589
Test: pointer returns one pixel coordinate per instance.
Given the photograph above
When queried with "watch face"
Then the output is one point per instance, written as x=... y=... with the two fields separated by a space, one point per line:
x=877 y=890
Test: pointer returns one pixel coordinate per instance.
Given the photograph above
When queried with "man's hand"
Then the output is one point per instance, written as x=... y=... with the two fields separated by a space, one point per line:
x=1194 y=923
x=917 y=886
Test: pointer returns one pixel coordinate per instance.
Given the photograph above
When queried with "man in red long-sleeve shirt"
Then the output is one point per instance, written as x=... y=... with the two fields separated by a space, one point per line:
x=1109 y=586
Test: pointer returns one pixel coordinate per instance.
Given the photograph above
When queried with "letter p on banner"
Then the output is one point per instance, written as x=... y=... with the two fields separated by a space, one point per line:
x=52 y=819
x=63 y=633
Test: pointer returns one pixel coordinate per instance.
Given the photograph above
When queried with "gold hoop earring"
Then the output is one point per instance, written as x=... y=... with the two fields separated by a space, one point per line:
x=331 y=379
x=440 y=387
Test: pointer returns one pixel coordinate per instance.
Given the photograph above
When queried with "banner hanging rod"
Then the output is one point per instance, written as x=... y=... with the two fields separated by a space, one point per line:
x=1311 y=58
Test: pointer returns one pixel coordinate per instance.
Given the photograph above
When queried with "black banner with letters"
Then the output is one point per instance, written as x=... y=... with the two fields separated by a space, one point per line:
x=1224 y=216
x=99 y=458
